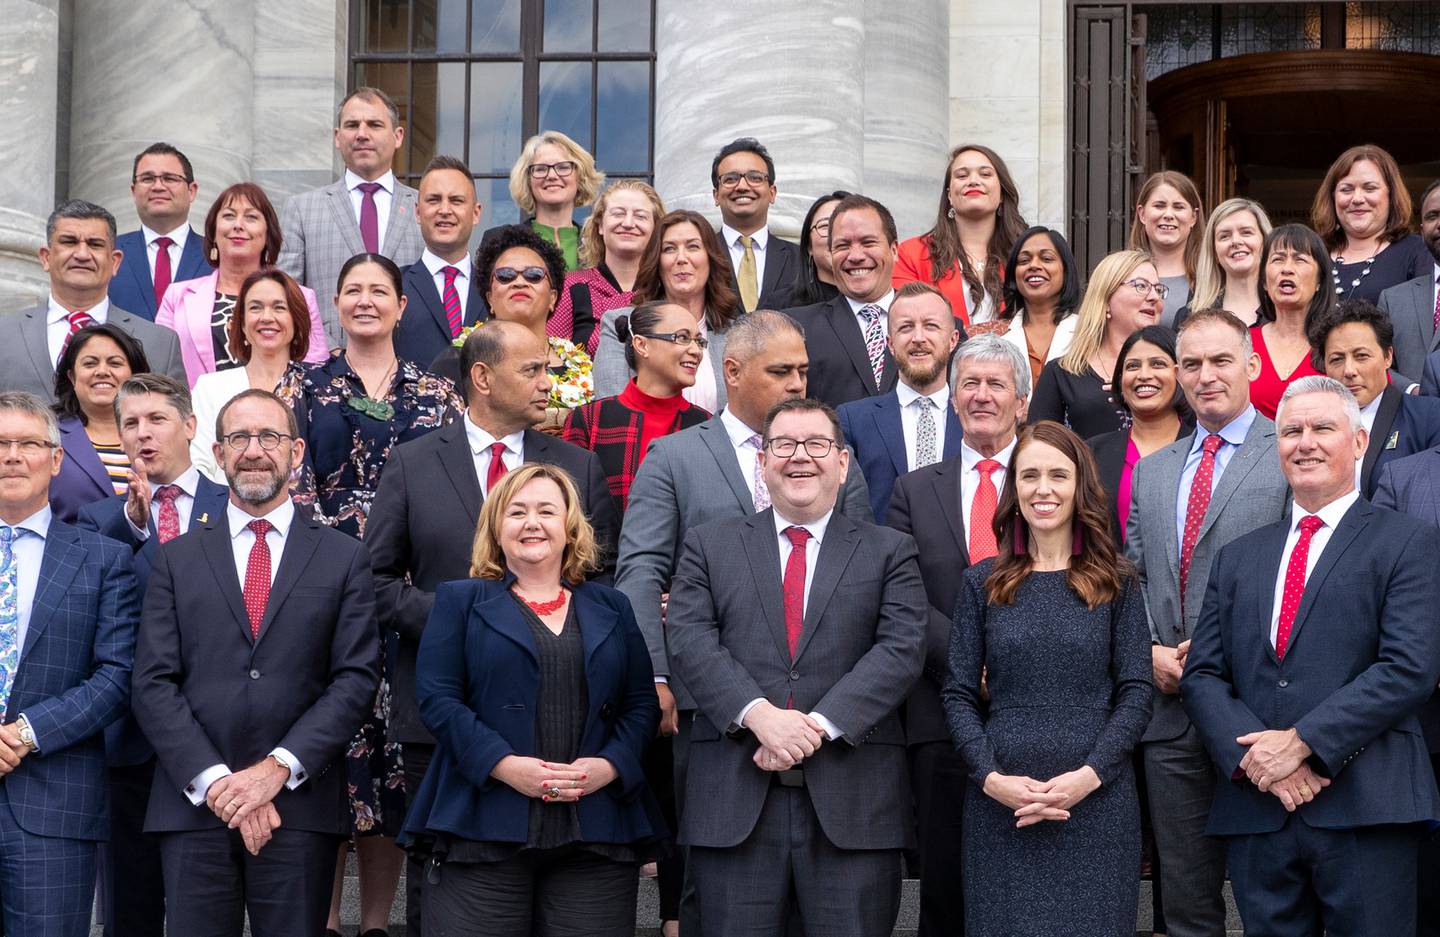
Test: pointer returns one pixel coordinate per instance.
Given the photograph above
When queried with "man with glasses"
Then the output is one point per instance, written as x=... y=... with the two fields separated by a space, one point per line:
x=166 y=249
x=366 y=211
x=762 y=263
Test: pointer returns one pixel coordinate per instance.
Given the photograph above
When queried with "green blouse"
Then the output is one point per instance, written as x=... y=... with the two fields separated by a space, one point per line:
x=568 y=241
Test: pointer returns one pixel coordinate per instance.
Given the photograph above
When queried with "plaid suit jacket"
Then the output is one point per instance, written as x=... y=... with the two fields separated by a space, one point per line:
x=611 y=430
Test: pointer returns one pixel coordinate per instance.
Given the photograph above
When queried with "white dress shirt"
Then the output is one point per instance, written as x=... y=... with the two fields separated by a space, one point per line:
x=746 y=454
x=176 y=248
x=57 y=323
x=970 y=476
x=1367 y=420
x=382 y=201
x=436 y=266
x=28 y=548
x=759 y=241
x=883 y=302
x=910 y=407
x=242 y=538
x=1330 y=515
x=480 y=442
x=187 y=482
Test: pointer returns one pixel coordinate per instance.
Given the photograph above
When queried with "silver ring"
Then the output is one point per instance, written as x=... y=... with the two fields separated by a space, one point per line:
x=552 y=791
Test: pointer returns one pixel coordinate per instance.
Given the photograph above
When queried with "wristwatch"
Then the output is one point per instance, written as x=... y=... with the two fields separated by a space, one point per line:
x=281 y=762
x=27 y=734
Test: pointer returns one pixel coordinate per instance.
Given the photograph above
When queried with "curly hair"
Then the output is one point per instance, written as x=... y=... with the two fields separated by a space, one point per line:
x=517 y=235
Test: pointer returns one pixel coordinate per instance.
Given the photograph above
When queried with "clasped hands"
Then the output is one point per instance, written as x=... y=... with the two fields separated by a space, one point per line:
x=787 y=736
x=1037 y=801
x=553 y=782
x=12 y=750
x=244 y=801
x=1275 y=763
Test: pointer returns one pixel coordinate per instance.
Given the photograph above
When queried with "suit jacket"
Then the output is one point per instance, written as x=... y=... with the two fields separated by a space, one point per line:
x=25 y=362
x=687 y=479
x=82 y=479
x=477 y=658
x=125 y=744
x=73 y=680
x=860 y=652
x=611 y=373
x=872 y=426
x=421 y=528
x=1404 y=425
x=424 y=329
x=1363 y=655
x=839 y=364
x=782 y=266
x=322 y=232
x=186 y=308
x=1411 y=306
x=1250 y=493
x=205 y=693
x=134 y=287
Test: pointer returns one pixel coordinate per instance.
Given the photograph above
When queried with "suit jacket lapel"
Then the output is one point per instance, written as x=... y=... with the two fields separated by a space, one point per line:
x=1270 y=553
x=775 y=263
x=1423 y=299
x=1385 y=419
x=847 y=332
x=1169 y=464
x=954 y=432
x=949 y=496
x=886 y=414
x=58 y=568
x=422 y=289
x=1345 y=533
x=192 y=259
x=841 y=538
x=712 y=432
x=459 y=465
x=502 y=613
x=139 y=268
x=345 y=221
x=209 y=499
x=79 y=450
x=37 y=344
x=215 y=542
x=596 y=623
x=1240 y=466
x=300 y=545
x=402 y=213
x=762 y=549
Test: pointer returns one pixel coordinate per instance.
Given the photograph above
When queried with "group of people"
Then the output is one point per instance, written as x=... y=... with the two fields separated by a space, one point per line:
x=774 y=568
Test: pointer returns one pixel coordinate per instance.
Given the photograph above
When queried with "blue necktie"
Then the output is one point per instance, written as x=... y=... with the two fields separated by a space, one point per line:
x=9 y=615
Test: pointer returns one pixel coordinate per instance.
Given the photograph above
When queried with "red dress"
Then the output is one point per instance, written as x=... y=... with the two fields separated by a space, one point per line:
x=1267 y=389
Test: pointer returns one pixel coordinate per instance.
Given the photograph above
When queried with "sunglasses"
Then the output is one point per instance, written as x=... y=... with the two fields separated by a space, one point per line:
x=531 y=274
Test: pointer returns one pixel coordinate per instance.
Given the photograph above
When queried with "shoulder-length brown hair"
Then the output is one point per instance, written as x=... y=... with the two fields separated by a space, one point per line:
x=592 y=244
x=1322 y=212
x=294 y=302
x=487 y=560
x=945 y=248
x=721 y=301
x=1097 y=572
x=255 y=197
x=1140 y=240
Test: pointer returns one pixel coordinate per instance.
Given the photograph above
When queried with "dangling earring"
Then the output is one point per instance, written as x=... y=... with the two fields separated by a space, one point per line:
x=950 y=212
x=214 y=255
x=1018 y=540
x=1077 y=545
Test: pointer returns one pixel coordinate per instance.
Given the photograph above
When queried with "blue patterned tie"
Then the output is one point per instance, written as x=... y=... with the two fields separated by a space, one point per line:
x=9 y=615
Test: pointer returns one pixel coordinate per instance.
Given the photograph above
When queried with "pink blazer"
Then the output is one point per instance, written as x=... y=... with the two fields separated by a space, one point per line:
x=186 y=308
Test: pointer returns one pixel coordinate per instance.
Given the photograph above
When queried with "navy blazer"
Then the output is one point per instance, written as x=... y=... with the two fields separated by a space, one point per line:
x=1364 y=654
x=477 y=677
x=424 y=329
x=73 y=680
x=872 y=427
x=1404 y=425
x=125 y=744
x=133 y=287
x=82 y=479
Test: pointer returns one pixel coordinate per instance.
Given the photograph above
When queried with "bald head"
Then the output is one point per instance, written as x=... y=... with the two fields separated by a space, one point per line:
x=509 y=386
x=765 y=363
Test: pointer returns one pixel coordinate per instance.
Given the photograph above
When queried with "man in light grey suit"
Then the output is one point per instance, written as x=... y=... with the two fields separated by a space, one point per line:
x=365 y=211
x=1412 y=305
x=81 y=259
x=800 y=632
x=1187 y=501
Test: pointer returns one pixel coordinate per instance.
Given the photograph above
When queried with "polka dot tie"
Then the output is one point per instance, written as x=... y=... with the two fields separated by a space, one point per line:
x=257 y=577
x=1294 y=583
x=1196 y=506
x=982 y=513
x=794 y=587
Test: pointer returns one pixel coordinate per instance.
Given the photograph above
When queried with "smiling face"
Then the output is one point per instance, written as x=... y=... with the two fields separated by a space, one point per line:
x=1354 y=358
x=1215 y=373
x=672 y=363
x=744 y=206
x=80 y=256
x=366 y=138
x=25 y=479
x=861 y=254
x=627 y=223
x=521 y=300
x=154 y=435
x=922 y=336
x=268 y=325
x=553 y=190
x=987 y=403
x=819 y=243
x=1039 y=272
x=1147 y=380
x=258 y=477
x=532 y=529
x=368 y=303
x=162 y=205
x=100 y=368
x=1318 y=448
x=1045 y=487
x=684 y=264
x=1237 y=243
x=802 y=487
x=1167 y=217
x=1430 y=223
x=1131 y=310
x=447 y=211
x=240 y=234
x=974 y=186
x=1362 y=201
x=1291 y=277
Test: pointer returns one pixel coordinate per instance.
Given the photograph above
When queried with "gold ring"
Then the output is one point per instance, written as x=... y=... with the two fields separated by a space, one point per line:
x=1305 y=790
x=552 y=791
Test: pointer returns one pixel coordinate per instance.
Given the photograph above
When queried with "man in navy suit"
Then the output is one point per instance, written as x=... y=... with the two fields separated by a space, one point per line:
x=68 y=608
x=166 y=249
x=440 y=289
x=167 y=496
x=1315 y=648
x=914 y=425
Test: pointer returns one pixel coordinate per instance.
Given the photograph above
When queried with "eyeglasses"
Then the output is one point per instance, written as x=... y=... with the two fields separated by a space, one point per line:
x=171 y=179
x=531 y=274
x=755 y=177
x=816 y=447
x=683 y=339
x=562 y=169
x=1143 y=286
x=30 y=448
x=269 y=440
x=821 y=228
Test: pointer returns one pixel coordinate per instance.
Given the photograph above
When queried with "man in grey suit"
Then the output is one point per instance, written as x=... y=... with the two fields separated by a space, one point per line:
x=1187 y=501
x=800 y=632
x=1412 y=305
x=80 y=256
x=365 y=211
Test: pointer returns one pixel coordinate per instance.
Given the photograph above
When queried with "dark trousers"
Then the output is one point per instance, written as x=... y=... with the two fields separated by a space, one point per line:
x=134 y=882
x=1428 y=877
x=670 y=864
x=212 y=882
x=417 y=759
x=786 y=863
x=680 y=754
x=1180 y=782
x=47 y=884
x=566 y=892
x=1307 y=882
x=939 y=778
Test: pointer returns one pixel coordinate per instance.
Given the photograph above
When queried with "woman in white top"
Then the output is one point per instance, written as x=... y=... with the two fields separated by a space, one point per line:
x=1041 y=290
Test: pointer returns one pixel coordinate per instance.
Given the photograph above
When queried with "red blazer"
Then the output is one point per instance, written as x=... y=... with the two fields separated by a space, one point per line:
x=914 y=264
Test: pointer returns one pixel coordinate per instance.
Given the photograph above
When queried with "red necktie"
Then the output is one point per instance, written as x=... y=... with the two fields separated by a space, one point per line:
x=257 y=577
x=794 y=587
x=369 y=217
x=497 y=468
x=1196 y=506
x=1294 y=583
x=162 y=267
x=451 y=298
x=169 y=514
x=982 y=513
x=78 y=320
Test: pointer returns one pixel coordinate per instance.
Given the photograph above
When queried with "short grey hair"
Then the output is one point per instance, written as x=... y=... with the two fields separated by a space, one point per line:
x=79 y=208
x=147 y=382
x=748 y=334
x=991 y=347
x=20 y=401
x=1319 y=384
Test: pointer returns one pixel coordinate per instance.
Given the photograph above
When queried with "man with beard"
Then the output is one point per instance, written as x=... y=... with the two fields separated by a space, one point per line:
x=913 y=425
x=257 y=660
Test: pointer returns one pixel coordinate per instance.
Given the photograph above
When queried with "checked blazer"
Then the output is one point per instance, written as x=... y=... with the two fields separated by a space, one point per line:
x=612 y=430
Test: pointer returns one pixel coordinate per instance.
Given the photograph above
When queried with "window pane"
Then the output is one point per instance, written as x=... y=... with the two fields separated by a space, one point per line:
x=440 y=25
x=623 y=117
x=495 y=26
x=495 y=116
x=384 y=25
x=437 y=112
x=494 y=195
x=568 y=25
x=565 y=100
x=624 y=26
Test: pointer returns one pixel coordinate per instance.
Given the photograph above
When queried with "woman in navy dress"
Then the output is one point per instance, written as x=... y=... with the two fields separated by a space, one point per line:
x=1055 y=628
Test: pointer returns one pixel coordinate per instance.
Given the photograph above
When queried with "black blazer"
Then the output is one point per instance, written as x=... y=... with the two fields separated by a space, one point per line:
x=1404 y=425
x=205 y=693
x=839 y=365
x=424 y=329
x=422 y=526
x=782 y=266
x=1109 y=450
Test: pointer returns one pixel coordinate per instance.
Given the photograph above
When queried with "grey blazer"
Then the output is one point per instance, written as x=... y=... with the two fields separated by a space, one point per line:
x=1251 y=493
x=687 y=479
x=1411 y=306
x=321 y=233
x=25 y=363
x=611 y=373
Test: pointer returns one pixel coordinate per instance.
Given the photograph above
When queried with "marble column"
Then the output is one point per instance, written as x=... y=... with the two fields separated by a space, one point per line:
x=792 y=75
x=28 y=54
x=151 y=70
x=301 y=63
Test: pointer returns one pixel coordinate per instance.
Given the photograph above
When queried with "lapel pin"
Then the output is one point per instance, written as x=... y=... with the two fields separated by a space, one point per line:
x=205 y=518
x=1393 y=441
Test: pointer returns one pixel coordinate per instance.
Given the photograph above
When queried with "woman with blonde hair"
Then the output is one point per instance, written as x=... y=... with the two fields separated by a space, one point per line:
x=1228 y=271
x=1166 y=215
x=1125 y=294
x=553 y=176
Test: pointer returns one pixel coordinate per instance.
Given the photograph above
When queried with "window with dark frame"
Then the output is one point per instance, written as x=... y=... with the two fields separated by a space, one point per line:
x=476 y=78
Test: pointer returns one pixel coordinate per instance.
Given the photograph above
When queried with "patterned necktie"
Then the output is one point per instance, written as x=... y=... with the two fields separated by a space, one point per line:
x=78 y=321
x=875 y=338
x=1196 y=506
x=794 y=587
x=451 y=298
x=924 y=432
x=1437 y=304
x=1294 y=583
x=762 y=493
x=982 y=513
x=497 y=468
x=749 y=291
x=169 y=525
x=9 y=615
x=369 y=217
x=162 y=267
x=257 y=577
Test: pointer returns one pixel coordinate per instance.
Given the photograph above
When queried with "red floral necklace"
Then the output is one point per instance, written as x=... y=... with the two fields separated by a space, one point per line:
x=544 y=608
